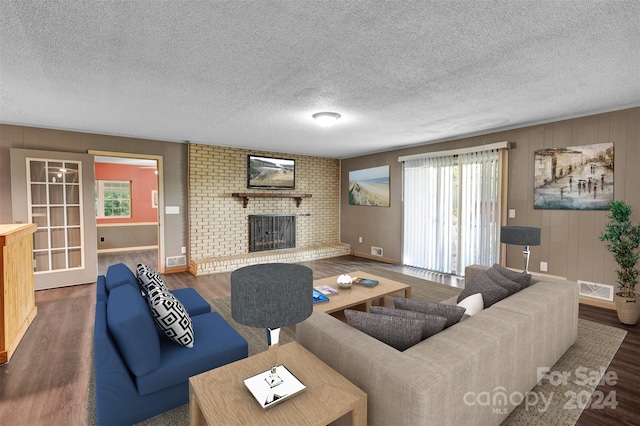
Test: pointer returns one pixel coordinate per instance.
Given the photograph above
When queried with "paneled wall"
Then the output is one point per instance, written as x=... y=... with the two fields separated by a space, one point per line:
x=218 y=221
x=174 y=171
x=570 y=243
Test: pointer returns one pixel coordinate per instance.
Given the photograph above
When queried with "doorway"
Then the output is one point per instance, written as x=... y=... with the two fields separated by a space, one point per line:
x=127 y=199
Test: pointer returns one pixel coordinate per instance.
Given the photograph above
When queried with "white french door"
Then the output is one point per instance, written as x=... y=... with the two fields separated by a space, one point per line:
x=55 y=205
x=452 y=211
x=55 y=190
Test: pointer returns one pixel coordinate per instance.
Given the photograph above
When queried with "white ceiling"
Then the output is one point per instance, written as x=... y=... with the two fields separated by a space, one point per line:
x=250 y=73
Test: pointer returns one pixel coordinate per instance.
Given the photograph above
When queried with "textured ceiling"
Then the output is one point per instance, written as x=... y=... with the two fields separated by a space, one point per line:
x=250 y=73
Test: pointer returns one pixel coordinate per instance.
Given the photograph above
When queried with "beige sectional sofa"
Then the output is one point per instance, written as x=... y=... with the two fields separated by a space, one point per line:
x=440 y=380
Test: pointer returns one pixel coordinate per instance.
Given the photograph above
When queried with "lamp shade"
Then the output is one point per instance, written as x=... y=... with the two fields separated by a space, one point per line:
x=520 y=235
x=271 y=295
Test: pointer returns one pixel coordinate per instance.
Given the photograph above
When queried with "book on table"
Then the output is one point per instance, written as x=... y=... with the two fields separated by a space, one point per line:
x=367 y=282
x=319 y=297
x=326 y=290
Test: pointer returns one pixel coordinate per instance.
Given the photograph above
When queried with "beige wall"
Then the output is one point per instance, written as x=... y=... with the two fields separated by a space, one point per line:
x=174 y=170
x=570 y=241
x=219 y=224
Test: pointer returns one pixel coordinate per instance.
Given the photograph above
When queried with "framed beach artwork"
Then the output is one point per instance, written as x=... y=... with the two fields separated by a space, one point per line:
x=369 y=187
x=574 y=178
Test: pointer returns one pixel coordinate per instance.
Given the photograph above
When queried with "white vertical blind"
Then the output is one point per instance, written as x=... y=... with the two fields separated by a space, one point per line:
x=479 y=208
x=452 y=211
x=429 y=233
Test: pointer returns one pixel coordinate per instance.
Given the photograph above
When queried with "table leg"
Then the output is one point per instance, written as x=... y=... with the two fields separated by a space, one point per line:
x=196 y=418
x=407 y=293
x=359 y=413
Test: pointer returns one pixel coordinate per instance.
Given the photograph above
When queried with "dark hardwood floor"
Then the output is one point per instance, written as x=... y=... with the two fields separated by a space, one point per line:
x=45 y=383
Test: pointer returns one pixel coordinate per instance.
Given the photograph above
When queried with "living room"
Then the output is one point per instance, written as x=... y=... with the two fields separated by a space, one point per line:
x=199 y=177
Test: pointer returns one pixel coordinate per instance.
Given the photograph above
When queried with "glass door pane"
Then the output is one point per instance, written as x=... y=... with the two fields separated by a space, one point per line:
x=56 y=206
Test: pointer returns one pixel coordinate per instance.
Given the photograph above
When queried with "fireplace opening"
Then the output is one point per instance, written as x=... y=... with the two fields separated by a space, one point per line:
x=272 y=232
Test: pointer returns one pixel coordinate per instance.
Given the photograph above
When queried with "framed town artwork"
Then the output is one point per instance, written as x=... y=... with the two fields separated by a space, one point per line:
x=574 y=178
x=369 y=187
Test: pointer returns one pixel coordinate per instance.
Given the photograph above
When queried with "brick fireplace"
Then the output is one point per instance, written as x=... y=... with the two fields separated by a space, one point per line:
x=218 y=220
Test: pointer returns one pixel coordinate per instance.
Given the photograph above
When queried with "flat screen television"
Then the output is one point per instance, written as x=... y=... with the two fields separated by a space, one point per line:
x=270 y=173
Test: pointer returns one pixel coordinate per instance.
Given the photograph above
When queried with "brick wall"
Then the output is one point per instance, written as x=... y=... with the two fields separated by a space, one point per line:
x=218 y=221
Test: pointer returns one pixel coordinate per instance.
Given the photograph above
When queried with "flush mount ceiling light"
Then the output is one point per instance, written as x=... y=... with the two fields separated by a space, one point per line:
x=326 y=119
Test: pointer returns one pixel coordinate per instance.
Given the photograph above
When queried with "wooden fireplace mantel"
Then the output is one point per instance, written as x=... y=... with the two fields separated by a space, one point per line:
x=246 y=195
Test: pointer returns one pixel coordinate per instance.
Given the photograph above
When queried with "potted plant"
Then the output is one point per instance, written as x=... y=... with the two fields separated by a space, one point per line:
x=623 y=240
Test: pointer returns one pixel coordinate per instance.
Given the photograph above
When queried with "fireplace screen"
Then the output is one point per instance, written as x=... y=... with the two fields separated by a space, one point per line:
x=271 y=232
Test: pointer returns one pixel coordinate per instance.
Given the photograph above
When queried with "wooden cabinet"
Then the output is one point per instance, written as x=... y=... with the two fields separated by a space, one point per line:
x=17 y=296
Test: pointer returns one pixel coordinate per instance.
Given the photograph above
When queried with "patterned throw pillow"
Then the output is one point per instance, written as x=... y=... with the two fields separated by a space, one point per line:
x=452 y=313
x=172 y=318
x=150 y=282
x=431 y=324
x=399 y=333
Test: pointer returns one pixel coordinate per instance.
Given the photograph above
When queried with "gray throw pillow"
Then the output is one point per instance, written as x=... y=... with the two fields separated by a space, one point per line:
x=431 y=324
x=522 y=278
x=482 y=283
x=452 y=313
x=399 y=333
x=511 y=286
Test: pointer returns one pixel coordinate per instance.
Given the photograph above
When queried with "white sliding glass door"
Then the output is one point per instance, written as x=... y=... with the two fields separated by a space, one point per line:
x=452 y=209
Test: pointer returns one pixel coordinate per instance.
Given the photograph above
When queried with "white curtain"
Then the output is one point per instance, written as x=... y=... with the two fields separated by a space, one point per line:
x=428 y=219
x=452 y=211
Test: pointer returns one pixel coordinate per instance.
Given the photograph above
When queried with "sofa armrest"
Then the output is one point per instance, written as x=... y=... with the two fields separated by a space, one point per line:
x=471 y=270
x=403 y=382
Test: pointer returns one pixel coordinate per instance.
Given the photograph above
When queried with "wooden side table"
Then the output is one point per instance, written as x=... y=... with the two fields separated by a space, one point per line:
x=220 y=396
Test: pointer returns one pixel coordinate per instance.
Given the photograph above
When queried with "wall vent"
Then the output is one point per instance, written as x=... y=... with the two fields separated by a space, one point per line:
x=376 y=251
x=596 y=291
x=176 y=261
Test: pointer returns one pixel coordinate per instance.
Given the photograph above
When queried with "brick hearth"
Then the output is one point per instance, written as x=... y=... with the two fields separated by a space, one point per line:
x=213 y=265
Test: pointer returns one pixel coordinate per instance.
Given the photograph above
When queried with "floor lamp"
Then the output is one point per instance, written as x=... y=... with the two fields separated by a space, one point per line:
x=271 y=296
x=521 y=236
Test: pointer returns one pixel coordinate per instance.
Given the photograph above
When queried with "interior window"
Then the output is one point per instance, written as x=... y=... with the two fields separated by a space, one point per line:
x=113 y=198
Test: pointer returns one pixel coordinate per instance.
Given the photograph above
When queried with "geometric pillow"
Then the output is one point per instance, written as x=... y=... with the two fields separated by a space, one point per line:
x=172 y=318
x=482 y=283
x=399 y=333
x=521 y=278
x=452 y=313
x=511 y=286
x=150 y=282
x=432 y=324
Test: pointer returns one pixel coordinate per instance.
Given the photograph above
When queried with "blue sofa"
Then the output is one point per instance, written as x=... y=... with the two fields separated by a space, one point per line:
x=139 y=372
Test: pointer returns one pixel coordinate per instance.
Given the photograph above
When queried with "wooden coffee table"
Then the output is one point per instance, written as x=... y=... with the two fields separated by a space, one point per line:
x=358 y=294
x=220 y=397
